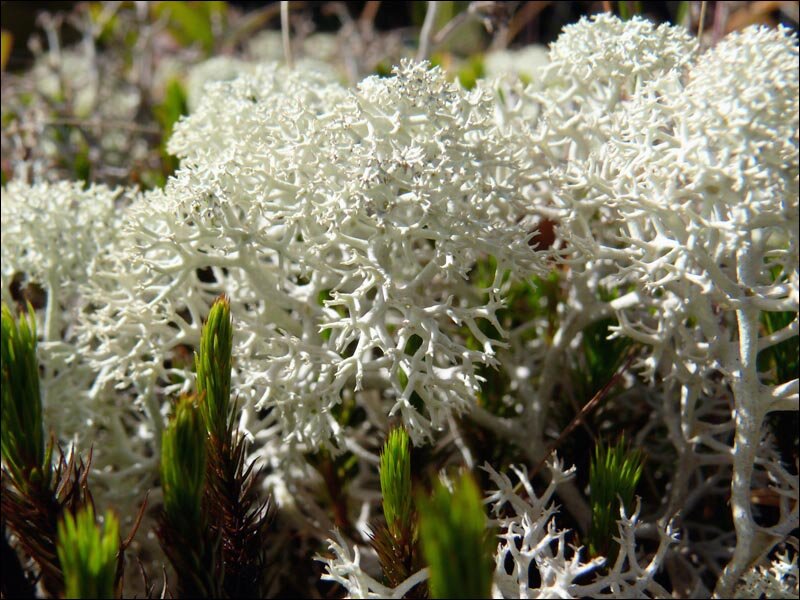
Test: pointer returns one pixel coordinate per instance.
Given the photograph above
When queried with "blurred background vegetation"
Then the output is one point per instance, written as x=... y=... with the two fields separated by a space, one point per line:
x=91 y=90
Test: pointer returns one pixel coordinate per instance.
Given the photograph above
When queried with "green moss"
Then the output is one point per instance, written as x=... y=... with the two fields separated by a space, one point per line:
x=88 y=554
x=395 y=475
x=23 y=440
x=213 y=364
x=613 y=475
x=456 y=543
x=183 y=469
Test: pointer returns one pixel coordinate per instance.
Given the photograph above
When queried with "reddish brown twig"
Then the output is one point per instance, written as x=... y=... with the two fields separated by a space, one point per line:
x=587 y=408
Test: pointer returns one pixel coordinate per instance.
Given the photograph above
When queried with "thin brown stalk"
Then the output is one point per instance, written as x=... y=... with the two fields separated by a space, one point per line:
x=587 y=408
x=367 y=17
x=526 y=14
x=105 y=124
x=701 y=23
x=285 y=34
x=427 y=32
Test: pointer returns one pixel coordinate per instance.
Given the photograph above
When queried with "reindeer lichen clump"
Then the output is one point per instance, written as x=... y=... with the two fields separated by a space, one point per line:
x=454 y=272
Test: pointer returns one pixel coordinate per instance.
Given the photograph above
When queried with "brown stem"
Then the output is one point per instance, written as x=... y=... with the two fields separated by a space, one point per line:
x=587 y=408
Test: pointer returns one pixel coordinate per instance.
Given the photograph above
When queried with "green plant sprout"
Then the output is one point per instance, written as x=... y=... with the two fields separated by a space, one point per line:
x=29 y=505
x=183 y=467
x=237 y=519
x=88 y=554
x=23 y=443
x=43 y=495
x=396 y=542
x=183 y=528
x=395 y=473
x=613 y=476
x=214 y=369
x=456 y=543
